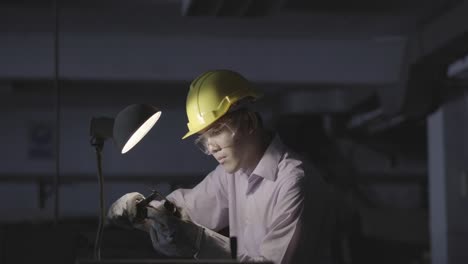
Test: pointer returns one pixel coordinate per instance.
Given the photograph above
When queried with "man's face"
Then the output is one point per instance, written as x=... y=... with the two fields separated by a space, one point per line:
x=223 y=141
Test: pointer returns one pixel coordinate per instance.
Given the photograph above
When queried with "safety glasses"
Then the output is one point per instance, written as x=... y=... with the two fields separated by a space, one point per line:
x=218 y=137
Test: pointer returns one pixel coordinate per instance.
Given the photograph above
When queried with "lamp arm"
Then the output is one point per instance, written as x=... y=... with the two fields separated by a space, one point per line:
x=98 y=144
x=100 y=130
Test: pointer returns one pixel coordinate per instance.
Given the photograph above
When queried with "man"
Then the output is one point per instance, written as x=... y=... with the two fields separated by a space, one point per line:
x=277 y=206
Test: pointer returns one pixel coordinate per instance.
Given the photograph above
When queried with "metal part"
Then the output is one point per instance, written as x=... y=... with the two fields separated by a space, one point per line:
x=142 y=210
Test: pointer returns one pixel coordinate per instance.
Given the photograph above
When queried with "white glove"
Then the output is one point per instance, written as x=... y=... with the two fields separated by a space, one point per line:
x=180 y=237
x=123 y=211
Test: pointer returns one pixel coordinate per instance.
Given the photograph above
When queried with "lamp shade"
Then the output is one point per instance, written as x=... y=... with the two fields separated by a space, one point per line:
x=133 y=123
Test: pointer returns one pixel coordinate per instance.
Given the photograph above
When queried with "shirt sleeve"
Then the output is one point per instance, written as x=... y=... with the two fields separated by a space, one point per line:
x=301 y=224
x=296 y=229
x=280 y=242
x=206 y=203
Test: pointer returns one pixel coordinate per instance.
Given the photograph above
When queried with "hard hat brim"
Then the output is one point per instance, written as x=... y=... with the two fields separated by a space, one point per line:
x=190 y=133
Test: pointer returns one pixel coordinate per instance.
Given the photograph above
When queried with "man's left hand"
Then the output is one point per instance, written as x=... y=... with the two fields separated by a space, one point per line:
x=171 y=235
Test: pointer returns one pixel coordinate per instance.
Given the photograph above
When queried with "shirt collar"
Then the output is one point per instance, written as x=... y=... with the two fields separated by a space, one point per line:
x=267 y=167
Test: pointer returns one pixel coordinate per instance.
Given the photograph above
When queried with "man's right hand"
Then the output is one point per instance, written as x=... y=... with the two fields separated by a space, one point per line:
x=123 y=211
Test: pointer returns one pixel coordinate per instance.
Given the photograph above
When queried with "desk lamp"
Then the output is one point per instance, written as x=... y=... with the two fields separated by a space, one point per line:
x=127 y=129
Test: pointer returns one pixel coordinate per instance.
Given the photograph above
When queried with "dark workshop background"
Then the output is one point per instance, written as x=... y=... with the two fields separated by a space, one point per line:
x=373 y=92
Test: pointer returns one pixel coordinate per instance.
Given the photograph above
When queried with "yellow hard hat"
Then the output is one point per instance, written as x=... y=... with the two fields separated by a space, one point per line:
x=211 y=95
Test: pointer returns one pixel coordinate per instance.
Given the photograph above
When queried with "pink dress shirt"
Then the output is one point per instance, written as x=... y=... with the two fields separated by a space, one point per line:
x=278 y=212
